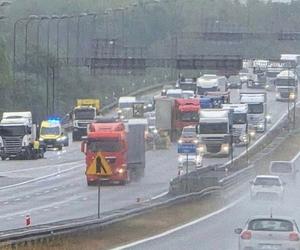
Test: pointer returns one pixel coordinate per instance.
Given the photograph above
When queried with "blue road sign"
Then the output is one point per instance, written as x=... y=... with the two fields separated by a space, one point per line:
x=186 y=148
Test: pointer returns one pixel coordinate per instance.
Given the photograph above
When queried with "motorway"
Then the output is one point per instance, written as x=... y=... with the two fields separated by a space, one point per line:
x=54 y=189
x=216 y=231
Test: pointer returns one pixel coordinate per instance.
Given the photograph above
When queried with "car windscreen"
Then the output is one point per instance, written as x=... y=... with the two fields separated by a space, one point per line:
x=104 y=145
x=267 y=181
x=255 y=108
x=281 y=167
x=50 y=131
x=270 y=225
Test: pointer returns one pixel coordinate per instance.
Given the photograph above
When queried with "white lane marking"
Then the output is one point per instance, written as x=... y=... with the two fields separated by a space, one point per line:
x=157 y=196
x=182 y=226
x=296 y=157
x=39 y=178
x=39 y=168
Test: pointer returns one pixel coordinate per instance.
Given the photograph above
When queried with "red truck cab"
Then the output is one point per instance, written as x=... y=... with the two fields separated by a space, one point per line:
x=186 y=113
x=106 y=144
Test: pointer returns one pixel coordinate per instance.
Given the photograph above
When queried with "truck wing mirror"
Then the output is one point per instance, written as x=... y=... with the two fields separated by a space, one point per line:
x=197 y=129
x=84 y=147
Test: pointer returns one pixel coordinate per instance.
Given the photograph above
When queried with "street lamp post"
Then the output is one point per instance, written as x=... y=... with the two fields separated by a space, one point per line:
x=30 y=18
x=78 y=38
x=14 y=44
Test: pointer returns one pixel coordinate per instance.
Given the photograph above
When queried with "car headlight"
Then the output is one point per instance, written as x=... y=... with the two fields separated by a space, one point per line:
x=62 y=138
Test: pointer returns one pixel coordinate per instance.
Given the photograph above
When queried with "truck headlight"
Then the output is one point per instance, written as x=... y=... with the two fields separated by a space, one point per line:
x=41 y=139
x=62 y=138
x=225 y=148
x=252 y=133
x=292 y=96
x=268 y=117
x=277 y=95
x=155 y=131
x=260 y=125
x=244 y=138
x=201 y=148
x=180 y=141
x=195 y=141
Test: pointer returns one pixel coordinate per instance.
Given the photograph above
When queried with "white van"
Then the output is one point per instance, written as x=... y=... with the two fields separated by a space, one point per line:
x=284 y=169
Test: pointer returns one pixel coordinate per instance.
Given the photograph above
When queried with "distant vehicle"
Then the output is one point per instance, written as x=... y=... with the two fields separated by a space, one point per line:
x=51 y=134
x=234 y=82
x=239 y=122
x=267 y=186
x=263 y=232
x=148 y=103
x=290 y=60
x=192 y=161
x=187 y=84
x=174 y=93
x=125 y=107
x=214 y=132
x=165 y=88
x=286 y=170
x=207 y=83
x=188 y=135
x=18 y=137
x=187 y=94
x=82 y=115
x=257 y=109
x=286 y=84
x=244 y=77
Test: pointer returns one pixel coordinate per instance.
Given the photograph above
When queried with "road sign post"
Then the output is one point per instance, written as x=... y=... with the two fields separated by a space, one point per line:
x=98 y=171
x=187 y=149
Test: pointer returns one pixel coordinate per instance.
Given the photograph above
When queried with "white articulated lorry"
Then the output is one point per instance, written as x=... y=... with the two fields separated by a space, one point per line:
x=286 y=84
x=214 y=132
x=257 y=109
x=207 y=83
x=239 y=122
x=18 y=137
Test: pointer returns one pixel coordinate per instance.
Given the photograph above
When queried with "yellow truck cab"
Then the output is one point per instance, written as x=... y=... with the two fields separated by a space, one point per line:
x=52 y=135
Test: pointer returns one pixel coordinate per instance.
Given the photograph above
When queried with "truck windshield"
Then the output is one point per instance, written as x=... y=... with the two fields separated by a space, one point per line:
x=285 y=82
x=272 y=73
x=50 y=131
x=188 y=86
x=255 y=108
x=104 y=145
x=12 y=130
x=84 y=114
x=239 y=118
x=214 y=128
x=189 y=116
x=125 y=105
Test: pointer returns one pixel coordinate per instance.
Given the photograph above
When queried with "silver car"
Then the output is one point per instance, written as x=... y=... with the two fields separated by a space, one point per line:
x=272 y=233
x=267 y=186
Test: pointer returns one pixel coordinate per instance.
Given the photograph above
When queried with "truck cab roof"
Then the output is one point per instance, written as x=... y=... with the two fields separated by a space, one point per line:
x=17 y=118
x=237 y=108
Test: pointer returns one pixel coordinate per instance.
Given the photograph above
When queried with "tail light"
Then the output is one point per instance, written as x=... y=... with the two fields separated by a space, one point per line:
x=294 y=236
x=246 y=235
